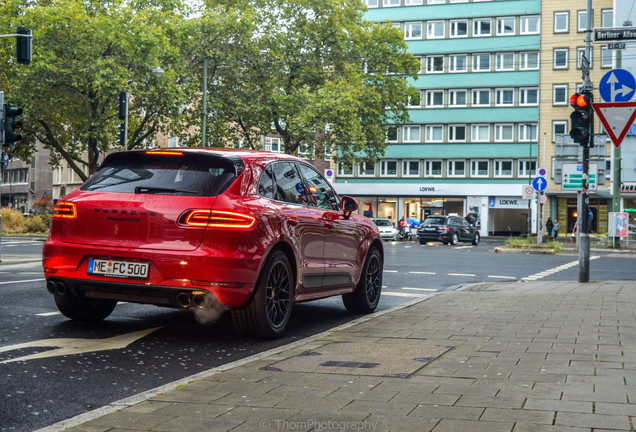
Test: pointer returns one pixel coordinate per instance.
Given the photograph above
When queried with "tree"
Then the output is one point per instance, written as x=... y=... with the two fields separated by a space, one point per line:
x=315 y=72
x=84 y=53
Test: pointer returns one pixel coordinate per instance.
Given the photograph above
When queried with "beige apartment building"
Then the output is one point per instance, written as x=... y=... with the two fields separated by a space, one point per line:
x=562 y=47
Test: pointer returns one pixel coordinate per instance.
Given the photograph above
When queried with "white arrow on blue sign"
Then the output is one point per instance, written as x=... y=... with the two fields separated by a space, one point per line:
x=617 y=85
x=539 y=183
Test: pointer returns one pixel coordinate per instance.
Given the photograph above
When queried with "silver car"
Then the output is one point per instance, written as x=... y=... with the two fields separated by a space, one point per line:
x=387 y=230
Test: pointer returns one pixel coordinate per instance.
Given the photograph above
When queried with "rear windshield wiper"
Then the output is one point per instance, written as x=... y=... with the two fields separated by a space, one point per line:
x=158 y=190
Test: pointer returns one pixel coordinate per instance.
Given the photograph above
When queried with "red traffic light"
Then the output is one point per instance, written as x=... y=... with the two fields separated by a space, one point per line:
x=579 y=100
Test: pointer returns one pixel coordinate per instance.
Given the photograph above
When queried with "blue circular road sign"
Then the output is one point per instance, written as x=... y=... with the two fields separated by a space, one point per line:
x=539 y=184
x=617 y=85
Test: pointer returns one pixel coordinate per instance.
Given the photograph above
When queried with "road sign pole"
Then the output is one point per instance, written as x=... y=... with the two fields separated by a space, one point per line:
x=583 y=197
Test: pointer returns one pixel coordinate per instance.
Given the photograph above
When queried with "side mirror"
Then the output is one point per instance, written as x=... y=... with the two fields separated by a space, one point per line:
x=348 y=205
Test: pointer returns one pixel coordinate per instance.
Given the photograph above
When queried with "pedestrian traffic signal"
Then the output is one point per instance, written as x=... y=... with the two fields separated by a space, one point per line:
x=23 y=45
x=10 y=125
x=581 y=118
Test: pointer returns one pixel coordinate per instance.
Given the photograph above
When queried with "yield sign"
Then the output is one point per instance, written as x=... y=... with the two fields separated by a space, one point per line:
x=617 y=118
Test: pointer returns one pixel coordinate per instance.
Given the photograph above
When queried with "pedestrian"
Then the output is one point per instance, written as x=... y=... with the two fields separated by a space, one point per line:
x=549 y=226
x=574 y=231
x=555 y=228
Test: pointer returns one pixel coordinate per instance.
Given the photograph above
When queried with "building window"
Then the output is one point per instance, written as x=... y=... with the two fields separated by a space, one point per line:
x=458 y=63
x=459 y=28
x=560 y=94
x=411 y=134
x=528 y=132
x=580 y=52
x=388 y=168
x=529 y=60
x=435 y=98
x=456 y=168
x=529 y=25
x=414 y=101
x=481 y=27
x=435 y=29
x=529 y=96
x=479 y=168
x=390 y=3
x=481 y=62
x=413 y=2
x=505 y=61
x=457 y=98
x=481 y=97
x=561 y=22
x=527 y=168
x=371 y=3
x=273 y=144
x=412 y=30
x=345 y=169
x=503 y=168
x=505 y=26
x=504 y=97
x=457 y=133
x=559 y=128
x=607 y=18
x=582 y=20
x=436 y=1
x=434 y=64
x=560 y=58
x=392 y=134
x=503 y=133
x=366 y=169
x=606 y=57
x=410 y=168
x=434 y=133
x=433 y=168
x=480 y=133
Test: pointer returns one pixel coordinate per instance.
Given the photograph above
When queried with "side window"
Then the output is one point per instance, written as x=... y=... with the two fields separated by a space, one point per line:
x=266 y=183
x=465 y=223
x=289 y=185
x=323 y=193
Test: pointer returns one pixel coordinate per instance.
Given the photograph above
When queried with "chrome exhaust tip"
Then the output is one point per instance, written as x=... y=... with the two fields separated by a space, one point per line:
x=184 y=299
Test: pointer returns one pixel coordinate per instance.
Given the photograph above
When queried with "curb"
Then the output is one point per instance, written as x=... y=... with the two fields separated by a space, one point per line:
x=532 y=251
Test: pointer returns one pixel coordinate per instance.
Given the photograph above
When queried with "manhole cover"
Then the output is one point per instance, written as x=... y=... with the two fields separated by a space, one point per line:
x=395 y=360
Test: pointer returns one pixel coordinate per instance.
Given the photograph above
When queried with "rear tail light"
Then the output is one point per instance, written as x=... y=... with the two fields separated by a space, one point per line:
x=446 y=228
x=218 y=219
x=164 y=152
x=64 y=210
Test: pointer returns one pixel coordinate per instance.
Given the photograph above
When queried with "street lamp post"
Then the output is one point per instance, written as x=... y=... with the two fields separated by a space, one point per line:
x=204 y=114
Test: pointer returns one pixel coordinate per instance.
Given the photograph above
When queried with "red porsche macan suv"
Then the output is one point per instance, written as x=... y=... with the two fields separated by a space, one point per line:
x=257 y=230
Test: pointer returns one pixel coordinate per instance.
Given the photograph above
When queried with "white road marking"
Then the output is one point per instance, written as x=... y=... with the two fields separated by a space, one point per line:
x=462 y=274
x=22 y=281
x=554 y=270
x=422 y=273
x=46 y=314
x=390 y=271
x=501 y=277
x=401 y=294
x=419 y=289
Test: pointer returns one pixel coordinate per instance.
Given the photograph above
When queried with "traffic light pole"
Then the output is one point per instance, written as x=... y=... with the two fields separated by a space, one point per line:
x=583 y=194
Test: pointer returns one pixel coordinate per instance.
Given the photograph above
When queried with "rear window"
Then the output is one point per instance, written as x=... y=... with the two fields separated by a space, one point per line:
x=186 y=174
x=435 y=220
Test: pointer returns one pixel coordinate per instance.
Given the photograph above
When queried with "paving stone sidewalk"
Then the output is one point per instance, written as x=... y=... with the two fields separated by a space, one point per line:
x=535 y=356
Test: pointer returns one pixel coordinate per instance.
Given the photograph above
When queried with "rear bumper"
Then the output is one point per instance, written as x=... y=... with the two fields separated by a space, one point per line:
x=230 y=277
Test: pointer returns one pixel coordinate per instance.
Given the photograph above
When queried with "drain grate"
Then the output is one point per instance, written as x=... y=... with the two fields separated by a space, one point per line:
x=349 y=364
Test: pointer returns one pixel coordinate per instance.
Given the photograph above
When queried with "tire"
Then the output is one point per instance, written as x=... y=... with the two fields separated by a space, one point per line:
x=366 y=296
x=422 y=242
x=83 y=309
x=268 y=312
x=476 y=239
x=454 y=239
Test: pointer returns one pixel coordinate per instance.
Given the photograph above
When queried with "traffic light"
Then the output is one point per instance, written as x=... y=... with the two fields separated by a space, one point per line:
x=10 y=125
x=581 y=118
x=123 y=105
x=23 y=46
x=122 y=134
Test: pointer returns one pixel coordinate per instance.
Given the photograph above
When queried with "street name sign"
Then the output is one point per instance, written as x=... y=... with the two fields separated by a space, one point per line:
x=614 y=34
x=573 y=176
x=617 y=118
x=616 y=45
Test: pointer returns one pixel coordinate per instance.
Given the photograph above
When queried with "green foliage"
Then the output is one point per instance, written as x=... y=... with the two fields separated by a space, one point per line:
x=15 y=223
x=531 y=242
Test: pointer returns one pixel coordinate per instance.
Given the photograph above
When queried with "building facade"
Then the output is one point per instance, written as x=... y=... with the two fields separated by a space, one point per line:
x=472 y=143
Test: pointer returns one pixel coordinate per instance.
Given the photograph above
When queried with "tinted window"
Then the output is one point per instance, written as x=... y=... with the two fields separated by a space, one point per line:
x=324 y=196
x=187 y=174
x=289 y=187
x=266 y=183
x=382 y=222
x=435 y=220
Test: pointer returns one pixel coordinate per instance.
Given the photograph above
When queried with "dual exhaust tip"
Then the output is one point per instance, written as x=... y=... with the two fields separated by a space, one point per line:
x=195 y=299
x=56 y=287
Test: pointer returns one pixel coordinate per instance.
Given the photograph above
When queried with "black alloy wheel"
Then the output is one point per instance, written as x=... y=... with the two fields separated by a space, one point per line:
x=367 y=294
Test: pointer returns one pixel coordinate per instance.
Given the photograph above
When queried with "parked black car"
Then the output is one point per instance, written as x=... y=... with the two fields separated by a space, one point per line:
x=447 y=229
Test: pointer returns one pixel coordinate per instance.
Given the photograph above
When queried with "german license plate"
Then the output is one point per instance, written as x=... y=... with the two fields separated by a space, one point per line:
x=120 y=269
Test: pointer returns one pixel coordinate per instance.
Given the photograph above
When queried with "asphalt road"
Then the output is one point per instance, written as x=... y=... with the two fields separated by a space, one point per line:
x=142 y=347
